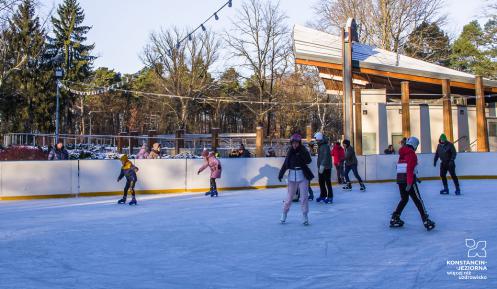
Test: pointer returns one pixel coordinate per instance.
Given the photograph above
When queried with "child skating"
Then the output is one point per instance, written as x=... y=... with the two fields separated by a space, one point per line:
x=215 y=166
x=406 y=180
x=128 y=170
x=299 y=176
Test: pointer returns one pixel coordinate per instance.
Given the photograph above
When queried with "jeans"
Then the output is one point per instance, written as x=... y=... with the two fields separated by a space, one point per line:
x=352 y=168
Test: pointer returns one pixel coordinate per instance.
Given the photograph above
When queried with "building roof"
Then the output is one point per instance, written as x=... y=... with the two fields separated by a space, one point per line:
x=321 y=47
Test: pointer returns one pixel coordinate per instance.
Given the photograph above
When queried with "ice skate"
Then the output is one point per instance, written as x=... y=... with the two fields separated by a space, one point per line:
x=311 y=195
x=320 y=199
x=458 y=192
x=395 y=221
x=133 y=202
x=445 y=191
x=208 y=193
x=328 y=201
x=122 y=201
x=429 y=224
x=305 y=220
x=363 y=187
x=283 y=218
x=347 y=187
x=214 y=193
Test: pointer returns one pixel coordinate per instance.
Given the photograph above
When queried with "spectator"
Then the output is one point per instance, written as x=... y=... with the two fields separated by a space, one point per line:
x=58 y=153
x=155 y=152
x=390 y=150
x=242 y=152
x=270 y=153
x=143 y=153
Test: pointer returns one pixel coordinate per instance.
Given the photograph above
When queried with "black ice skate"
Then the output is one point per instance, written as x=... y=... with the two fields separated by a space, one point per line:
x=445 y=191
x=395 y=221
x=208 y=193
x=122 y=201
x=363 y=187
x=214 y=193
x=429 y=224
x=311 y=195
x=133 y=202
x=347 y=187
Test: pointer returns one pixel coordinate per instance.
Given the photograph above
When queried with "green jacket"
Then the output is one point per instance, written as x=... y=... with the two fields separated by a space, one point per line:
x=324 y=154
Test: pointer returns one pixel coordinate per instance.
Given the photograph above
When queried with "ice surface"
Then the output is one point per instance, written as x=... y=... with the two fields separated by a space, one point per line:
x=236 y=241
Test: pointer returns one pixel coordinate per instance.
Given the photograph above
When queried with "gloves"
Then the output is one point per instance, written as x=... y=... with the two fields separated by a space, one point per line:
x=435 y=163
x=408 y=187
x=321 y=169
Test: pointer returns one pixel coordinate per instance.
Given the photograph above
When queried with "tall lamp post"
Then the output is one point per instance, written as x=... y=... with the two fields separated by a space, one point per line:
x=59 y=73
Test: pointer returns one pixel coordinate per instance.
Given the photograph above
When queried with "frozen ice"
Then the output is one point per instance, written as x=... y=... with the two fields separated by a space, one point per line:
x=236 y=241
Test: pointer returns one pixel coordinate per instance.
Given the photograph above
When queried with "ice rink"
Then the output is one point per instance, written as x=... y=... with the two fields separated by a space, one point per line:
x=236 y=241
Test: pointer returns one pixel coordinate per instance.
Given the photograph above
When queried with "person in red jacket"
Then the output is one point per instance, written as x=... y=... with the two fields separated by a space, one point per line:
x=338 y=154
x=406 y=180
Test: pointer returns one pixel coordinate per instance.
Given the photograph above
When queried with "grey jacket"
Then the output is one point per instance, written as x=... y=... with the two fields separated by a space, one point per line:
x=324 y=154
x=350 y=158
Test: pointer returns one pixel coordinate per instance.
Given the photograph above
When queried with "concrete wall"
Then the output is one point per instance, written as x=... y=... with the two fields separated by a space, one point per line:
x=40 y=179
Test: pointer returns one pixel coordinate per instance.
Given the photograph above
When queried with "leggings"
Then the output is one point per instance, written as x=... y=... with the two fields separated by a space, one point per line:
x=129 y=185
x=303 y=186
x=416 y=198
x=325 y=184
x=213 y=185
x=354 y=170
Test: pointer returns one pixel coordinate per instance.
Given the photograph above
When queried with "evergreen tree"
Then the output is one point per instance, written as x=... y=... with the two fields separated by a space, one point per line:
x=68 y=50
x=429 y=43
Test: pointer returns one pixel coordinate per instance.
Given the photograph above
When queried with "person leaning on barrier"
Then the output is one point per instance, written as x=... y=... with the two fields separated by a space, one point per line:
x=243 y=152
x=154 y=152
x=390 y=150
x=58 y=153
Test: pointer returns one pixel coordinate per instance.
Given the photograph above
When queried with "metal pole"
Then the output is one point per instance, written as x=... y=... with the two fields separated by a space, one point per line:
x=57 y=113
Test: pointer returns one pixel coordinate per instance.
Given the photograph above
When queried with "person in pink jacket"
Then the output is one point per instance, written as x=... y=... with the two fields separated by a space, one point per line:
x=215 y=165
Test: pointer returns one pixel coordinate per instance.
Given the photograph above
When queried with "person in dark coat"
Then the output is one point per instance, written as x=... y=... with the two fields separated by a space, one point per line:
x=296 y=162
x=390 y=150
x=324 y=168
x=243 y=152
x=446 y=152
x=351 y=165
x=58 y=153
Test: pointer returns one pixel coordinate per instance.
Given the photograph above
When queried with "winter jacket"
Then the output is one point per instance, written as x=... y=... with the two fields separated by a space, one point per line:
x=155 y=152
x=324 y=154
x=58 y=155
x=407 y=156
x=128 y=170
x=244 y=154
x=296 y=159
x=214 y=164
x=338 y=154
x=446 y=152
x=350 y=158
x=143 y=153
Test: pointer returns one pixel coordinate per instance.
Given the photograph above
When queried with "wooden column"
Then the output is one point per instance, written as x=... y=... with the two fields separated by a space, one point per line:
x=259 y=142
x=447 y=110
x=308 y=133
x=481 y=118
x=358 y=121
x=406 y=116
x=180 y=141
x=120 y=142
x=215 y=138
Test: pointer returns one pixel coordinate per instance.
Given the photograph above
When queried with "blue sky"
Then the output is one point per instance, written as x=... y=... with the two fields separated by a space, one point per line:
x=121 y=27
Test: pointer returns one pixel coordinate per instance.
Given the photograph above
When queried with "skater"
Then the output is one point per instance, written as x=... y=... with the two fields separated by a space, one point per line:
x=447 y=154
x=351 y=165
x=406 y=180
x=338 y=154
x=128 y=170
x=299 y=176
x=215 y=166
x=58 y=153
x=324 y=168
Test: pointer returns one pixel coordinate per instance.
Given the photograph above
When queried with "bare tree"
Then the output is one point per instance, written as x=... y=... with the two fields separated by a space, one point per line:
x=183 y=68
x=383 y=23
x=260 y=39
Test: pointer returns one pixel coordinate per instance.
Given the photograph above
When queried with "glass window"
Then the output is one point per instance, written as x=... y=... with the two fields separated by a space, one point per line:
x=369 y=143
x=396 y=138
x=492 y=129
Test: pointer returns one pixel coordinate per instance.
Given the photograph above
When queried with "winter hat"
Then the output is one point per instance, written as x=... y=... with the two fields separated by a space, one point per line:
x=296 y=138
x=443 y=137
x=346 y=142
x=124 y=158
x=205 y=153
x=318 y=136
x=413 y=142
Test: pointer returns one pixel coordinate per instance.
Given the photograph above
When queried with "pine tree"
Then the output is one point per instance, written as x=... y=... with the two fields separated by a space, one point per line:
x=429 y=43
x=68 y=50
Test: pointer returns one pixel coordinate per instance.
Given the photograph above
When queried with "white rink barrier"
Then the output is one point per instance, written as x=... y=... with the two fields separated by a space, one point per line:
x=56 y=179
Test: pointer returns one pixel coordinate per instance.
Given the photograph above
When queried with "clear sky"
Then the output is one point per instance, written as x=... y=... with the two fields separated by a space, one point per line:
x=121 y=27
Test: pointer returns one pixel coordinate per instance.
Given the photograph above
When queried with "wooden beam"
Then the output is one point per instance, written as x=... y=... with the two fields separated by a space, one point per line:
x=396 y=75
x=481 y=118
x=308 y=133
x=406 y=116
x=447 y=110
x=259 y=142
x=358 y=121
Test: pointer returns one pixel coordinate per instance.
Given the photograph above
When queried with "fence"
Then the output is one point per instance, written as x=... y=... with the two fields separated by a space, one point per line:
x=43 y=179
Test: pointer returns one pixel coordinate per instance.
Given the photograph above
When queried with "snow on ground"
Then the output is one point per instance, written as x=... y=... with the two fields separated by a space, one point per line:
x=236 y=241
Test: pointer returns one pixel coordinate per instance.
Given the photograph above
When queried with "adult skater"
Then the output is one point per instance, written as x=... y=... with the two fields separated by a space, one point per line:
x=338 y=154
x=299 y=176
x=351 y=165
x=324 y=169
x=406 y=180
x=447 y=154
x=215 y=166
x=128 y=170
